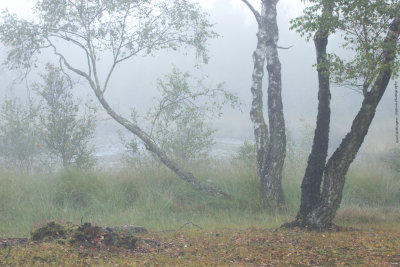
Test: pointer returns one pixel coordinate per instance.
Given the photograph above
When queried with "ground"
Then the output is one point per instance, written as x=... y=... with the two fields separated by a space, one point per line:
x=191 y=246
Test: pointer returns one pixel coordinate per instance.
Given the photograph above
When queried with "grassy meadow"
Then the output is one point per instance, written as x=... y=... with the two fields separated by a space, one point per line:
x=155 y=198
x=188 y=228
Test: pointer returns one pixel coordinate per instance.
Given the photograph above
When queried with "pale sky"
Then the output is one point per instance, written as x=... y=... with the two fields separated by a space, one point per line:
x=293 y=7
x=21 y=7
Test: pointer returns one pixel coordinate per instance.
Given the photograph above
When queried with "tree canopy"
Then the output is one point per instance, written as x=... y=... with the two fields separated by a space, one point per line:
x=120 y=29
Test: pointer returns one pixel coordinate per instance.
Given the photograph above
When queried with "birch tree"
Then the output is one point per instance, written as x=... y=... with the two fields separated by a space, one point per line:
x=270 y=145
x=370 y=30
x=120 y=29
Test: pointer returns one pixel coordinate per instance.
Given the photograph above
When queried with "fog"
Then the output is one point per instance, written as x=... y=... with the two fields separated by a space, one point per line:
x=134 y=82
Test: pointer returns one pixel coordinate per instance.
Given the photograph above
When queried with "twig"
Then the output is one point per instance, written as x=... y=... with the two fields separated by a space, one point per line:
x=8 y=253
x=285 y=48
x=189 y=223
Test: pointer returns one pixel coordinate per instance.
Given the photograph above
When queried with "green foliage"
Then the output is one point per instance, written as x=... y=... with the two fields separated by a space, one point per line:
x=363 y=26
x=66 y=131
x=20 y=142
x=246 y=153
x=114 y=29
x=179 y=119
x=32 y=135
x=314 y=18
x=126 y=28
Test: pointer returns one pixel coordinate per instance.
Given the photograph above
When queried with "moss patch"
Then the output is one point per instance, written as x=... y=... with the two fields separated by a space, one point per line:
x=86 y=234
x=48 y=232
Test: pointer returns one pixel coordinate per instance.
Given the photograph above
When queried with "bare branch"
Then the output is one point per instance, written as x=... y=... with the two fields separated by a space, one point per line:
x=93 y=59
x=255 y=12
x=189 y=223
x=108 y=77
x=116 y=53
x=80 y=45
x=77 y=71
x=285 y=48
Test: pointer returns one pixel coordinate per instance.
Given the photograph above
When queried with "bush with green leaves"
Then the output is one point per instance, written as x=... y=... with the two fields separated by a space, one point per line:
x=180 y=121
x=246 y=153
x=21 y=147
x=67 y=131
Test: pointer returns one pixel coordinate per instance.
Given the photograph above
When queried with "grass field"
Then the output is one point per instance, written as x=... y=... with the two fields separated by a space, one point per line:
x=156 y=199
x=236 y=231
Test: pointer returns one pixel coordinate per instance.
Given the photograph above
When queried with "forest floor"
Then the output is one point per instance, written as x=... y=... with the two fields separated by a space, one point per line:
x=192 y=246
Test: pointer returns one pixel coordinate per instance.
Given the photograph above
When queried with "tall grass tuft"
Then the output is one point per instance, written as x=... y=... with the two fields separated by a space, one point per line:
x=371 y=183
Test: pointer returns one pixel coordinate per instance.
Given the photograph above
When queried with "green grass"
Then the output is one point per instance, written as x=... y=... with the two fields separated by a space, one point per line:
x=158 y=200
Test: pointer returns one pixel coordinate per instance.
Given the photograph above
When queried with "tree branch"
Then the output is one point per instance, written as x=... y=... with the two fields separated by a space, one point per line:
x=255 y=12
x=77 y=71
x=80 y=45
x=285 y=48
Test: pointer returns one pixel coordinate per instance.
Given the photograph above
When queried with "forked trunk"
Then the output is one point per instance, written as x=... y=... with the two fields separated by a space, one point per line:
x=339 y=163
x=271 y=149
x=323 y=213
x=271 y=185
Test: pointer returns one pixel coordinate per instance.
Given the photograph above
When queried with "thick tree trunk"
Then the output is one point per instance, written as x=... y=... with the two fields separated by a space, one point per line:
x=311 y=185
x=271 y=182
x=153 y=147
x=256 y=111
x=339 y=163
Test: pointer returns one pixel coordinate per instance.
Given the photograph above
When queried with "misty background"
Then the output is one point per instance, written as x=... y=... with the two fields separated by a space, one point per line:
x=134 y=83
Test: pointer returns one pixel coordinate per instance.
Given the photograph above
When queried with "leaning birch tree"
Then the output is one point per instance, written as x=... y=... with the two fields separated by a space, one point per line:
x=370 y=30
x=120 y=29
x=270 y=145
